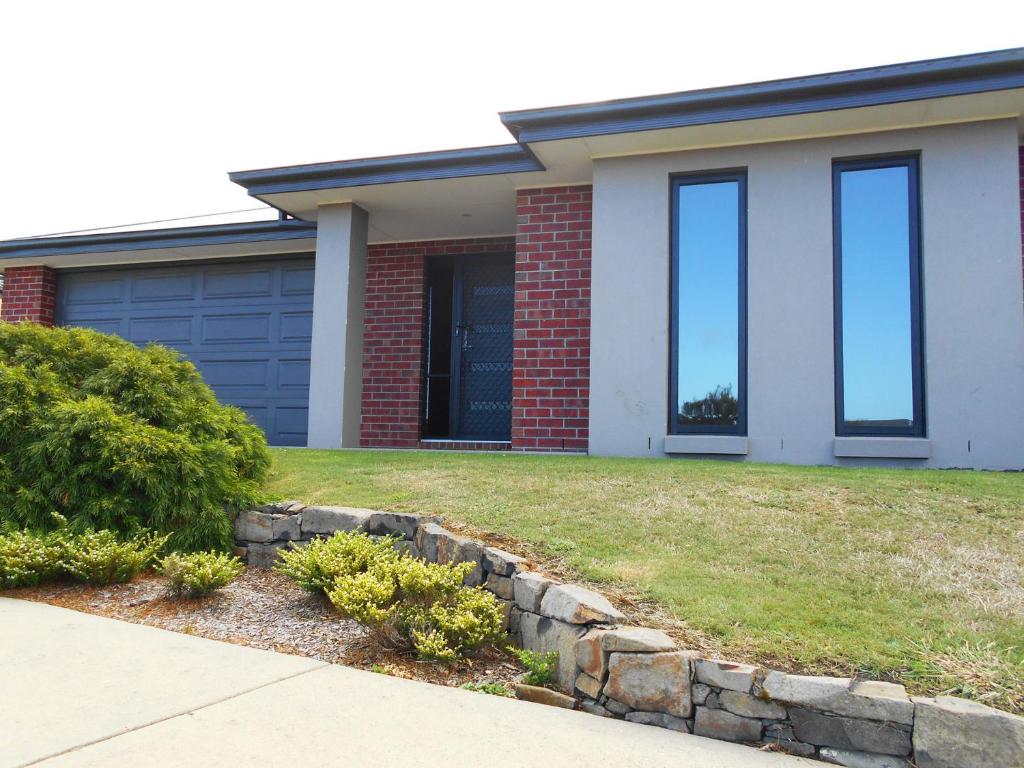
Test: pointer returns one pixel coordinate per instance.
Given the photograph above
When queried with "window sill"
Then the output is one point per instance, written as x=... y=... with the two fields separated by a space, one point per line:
x=882 y=448
x=730 y=445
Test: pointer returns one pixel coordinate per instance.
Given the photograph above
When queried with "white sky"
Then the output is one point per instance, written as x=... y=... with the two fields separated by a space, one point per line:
x=114 y=113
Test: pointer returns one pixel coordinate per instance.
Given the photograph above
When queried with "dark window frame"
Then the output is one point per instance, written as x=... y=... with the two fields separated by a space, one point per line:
x=676 y=182
x=912 y=162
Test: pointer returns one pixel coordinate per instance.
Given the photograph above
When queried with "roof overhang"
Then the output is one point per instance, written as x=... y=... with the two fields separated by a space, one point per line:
x=893 y=84
x=219 y=240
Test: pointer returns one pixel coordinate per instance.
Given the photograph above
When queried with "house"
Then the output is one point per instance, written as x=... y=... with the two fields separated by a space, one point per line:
x=818 y=270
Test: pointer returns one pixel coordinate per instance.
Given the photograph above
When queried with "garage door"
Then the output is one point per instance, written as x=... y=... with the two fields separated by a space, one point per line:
x=245 y=324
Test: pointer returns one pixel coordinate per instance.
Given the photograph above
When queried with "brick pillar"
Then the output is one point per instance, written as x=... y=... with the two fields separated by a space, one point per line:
x=30 y=293
x=393 y=339
x=551 y=367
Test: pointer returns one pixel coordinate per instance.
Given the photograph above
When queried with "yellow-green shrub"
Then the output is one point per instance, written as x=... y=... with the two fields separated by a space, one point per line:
x=199 y=573
x=317 y=565
x=412 y=605
x=27 y=558
x=100 y=557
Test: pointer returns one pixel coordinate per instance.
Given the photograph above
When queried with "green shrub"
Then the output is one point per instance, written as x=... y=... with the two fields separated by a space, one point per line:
x=412 y=605
x=27 y=559
x=495 y=689
x=317 y=565
x=99 y=434
x=100 y=557
x=540 y=667
x=199 y=573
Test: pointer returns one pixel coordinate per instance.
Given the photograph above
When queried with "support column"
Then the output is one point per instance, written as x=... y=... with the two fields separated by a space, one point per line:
x=339 y=290
x=30 y=293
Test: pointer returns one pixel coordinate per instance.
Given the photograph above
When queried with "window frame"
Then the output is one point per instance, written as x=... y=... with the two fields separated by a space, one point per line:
x=676 y=182
x=910 y=161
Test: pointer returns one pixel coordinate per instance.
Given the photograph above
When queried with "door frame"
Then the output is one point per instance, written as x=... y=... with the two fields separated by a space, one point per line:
x=457 y=332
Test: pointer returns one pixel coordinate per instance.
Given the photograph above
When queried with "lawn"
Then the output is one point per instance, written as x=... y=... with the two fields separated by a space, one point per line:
x=916 y=575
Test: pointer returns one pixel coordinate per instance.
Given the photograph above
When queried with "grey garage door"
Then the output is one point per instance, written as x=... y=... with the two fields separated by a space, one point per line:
x=245 y=324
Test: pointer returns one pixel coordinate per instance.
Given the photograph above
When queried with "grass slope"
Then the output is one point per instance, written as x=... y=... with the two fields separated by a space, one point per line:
x=908 y=574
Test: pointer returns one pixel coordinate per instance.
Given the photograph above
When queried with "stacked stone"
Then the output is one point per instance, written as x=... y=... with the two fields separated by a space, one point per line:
x=639 y=674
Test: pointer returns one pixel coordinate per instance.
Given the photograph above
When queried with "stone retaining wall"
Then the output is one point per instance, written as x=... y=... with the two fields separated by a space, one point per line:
x=640 y=675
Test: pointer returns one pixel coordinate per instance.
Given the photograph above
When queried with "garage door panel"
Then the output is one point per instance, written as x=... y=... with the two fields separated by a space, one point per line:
x=246 y=326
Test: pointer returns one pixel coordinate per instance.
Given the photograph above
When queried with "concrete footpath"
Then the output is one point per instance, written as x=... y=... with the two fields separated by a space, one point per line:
x=81 y=690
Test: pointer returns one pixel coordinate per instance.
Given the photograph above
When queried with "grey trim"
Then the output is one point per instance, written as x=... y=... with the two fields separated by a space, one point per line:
x=719 y=445
x=176 y=237
x=935 y=78
x=446 y=164
x=882 y=448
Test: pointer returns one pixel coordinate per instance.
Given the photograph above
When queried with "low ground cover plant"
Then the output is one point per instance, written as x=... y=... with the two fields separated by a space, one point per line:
x=199 y=573
x=27 y=559
x=96 y=433
x=100 y=557
x=93 y=557
x=540 y=666
x=495 y=689
x=407 y=604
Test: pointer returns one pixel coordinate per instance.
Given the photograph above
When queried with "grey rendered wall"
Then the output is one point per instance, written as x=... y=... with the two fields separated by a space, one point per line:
x=973 y=286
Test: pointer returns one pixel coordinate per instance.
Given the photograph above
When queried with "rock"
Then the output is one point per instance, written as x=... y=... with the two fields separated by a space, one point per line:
x=653 y=682
x=593 y=708
x=589 y=655
x=711 y=702
x=389 y=523
x=529 y=590
x=253 y=526
x=543 y=696
x=778 y=731
x=792 y=747
x=501 y=586
x=725 y=674
x=501 y=562
x=840 y=696
x=617 y=707
x=264 y=555
x=539 y=633
x=860 y=759
x=745 y=705
x=699 y=693
x=240 y=552
x=849 y=733
x=428 y=536
x=514 y=618
x=506 y=614
x=636 y=640
x=576 y=605
x=719 y=724
x=473 y=552
x=450 y=546
x=281 y=507
x=286 y=527
x=951 y=732
x=661 y=720
x=404 y=547
x=588 y=686
x=323 y=521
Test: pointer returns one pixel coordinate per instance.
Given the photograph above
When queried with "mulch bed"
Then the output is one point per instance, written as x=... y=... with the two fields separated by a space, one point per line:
x=263 y=609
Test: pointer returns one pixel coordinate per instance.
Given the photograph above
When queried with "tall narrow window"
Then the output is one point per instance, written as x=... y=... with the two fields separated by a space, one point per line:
x=709 y=279
x=879 y=376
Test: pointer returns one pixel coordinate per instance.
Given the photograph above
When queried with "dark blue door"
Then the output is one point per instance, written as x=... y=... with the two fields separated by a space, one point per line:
x=246 y=325
x=482 y=348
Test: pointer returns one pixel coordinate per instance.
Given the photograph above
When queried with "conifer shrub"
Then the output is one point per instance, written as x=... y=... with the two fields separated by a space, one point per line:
x=96 y=433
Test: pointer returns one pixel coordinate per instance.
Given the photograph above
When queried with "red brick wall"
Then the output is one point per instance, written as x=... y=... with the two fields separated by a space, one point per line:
x=394 y=336
x=30 y=293
x=551 y=368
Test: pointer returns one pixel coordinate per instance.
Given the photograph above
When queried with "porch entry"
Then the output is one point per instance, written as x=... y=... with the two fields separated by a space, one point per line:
x=468 y=379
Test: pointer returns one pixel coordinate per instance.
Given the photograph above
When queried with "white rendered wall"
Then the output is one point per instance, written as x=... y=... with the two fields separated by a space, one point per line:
x=336 y=350
x=972 y=282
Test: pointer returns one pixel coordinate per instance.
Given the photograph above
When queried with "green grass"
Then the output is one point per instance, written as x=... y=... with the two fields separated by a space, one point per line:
x=891 y=573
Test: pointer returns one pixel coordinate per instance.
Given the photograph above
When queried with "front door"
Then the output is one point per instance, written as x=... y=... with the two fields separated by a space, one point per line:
x=482 y=308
